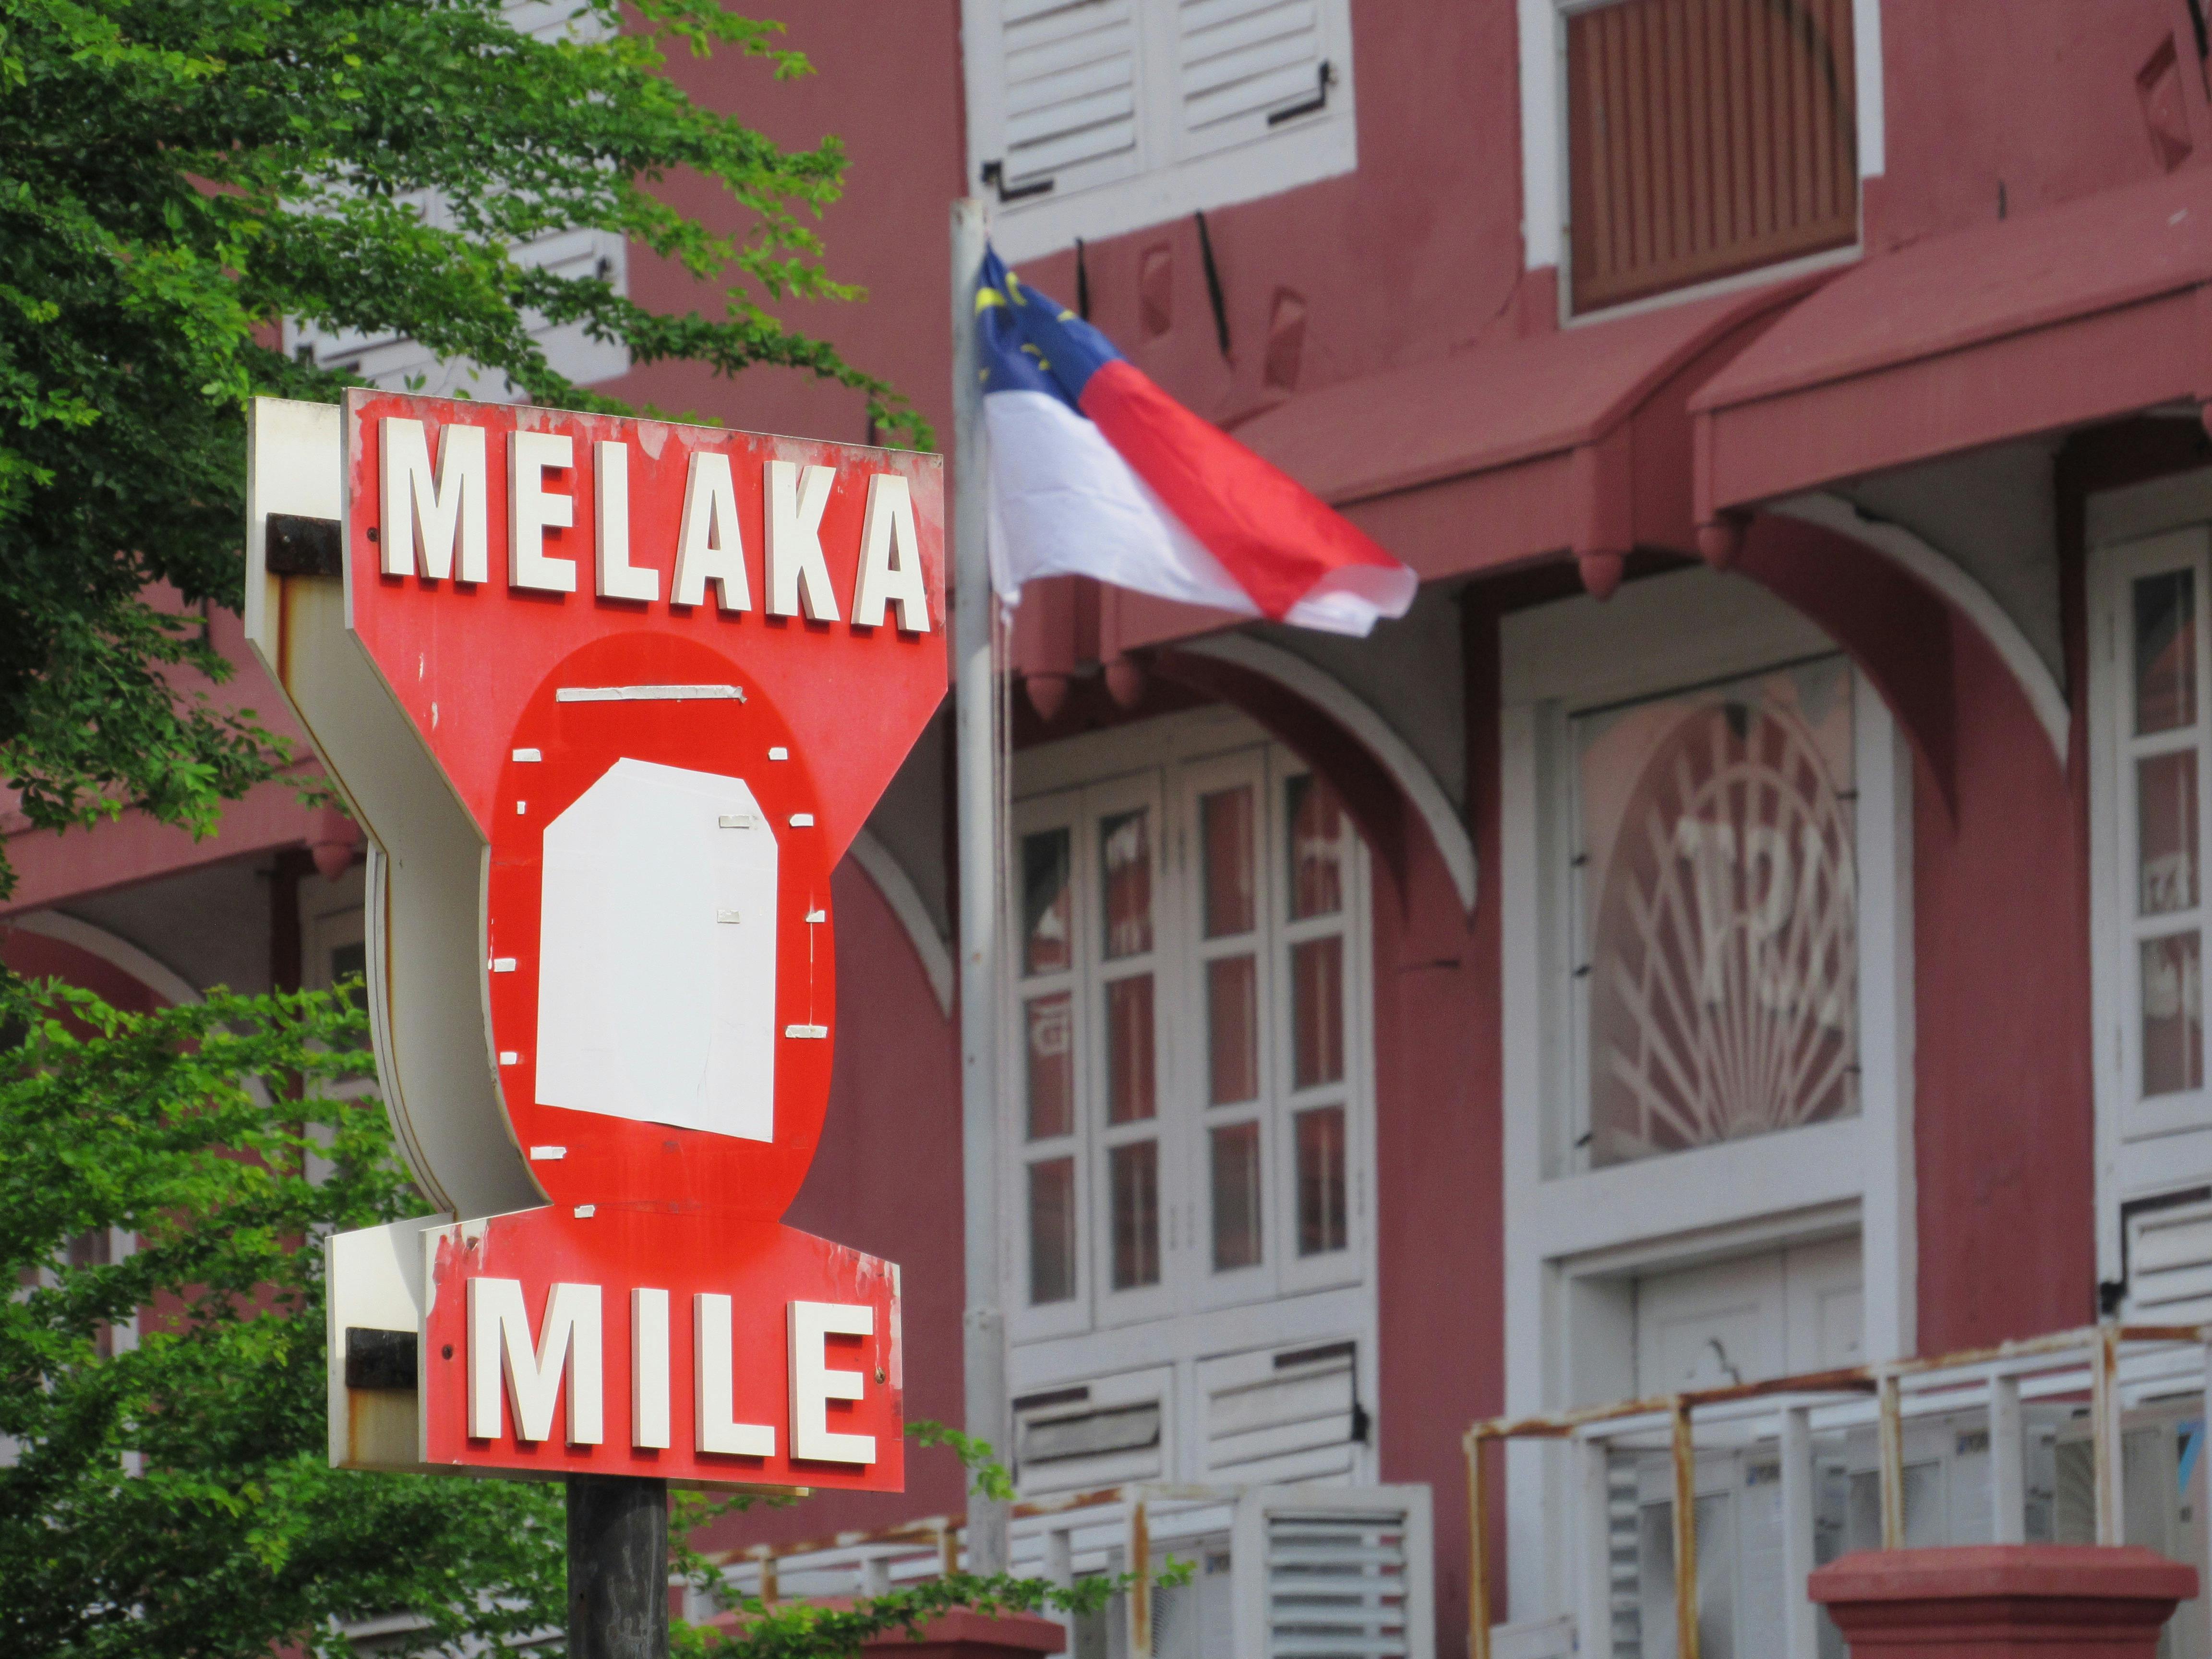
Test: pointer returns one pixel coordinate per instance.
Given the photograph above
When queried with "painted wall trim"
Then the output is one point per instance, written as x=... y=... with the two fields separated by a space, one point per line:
x=904 y=898
x=1392 y=752
x=162 y=980
x=1951 y=581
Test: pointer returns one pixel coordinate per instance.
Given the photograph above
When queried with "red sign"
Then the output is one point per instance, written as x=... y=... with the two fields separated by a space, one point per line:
x=660 y=674
x=594 y=624
x=692 y=1348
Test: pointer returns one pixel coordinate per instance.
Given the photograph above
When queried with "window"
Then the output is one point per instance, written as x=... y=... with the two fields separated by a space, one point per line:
x=1184 y=1021
x=1704 y=883
x=1094 y=116
x=2156 y=729
x=1716 y=870
x=1706 y=137
x=1188 y=1109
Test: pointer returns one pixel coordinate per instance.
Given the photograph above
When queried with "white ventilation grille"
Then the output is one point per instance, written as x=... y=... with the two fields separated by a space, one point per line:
x=2170 y=1264
x=1246 y=66
x=1336 y=1586
x=1282 y=1415
x=1093 y=1435
x=1070 y=91
x=1624 y=1596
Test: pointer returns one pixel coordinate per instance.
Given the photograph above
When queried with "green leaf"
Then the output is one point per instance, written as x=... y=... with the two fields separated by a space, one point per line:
x=178 y=175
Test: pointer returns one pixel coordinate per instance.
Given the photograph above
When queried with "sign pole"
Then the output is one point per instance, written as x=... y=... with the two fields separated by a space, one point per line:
x=617 y=1567
x=984 y=1345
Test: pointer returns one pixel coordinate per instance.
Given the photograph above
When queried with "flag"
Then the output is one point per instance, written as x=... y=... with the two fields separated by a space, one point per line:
x=1096 y=472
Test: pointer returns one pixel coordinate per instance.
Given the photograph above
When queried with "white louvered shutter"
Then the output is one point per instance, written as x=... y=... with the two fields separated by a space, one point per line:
x=1069 y=85
x=1337 y=1585
x=2170 y=1264
x=1105 y=1433
x=1288 y=1415
x=1245 y=68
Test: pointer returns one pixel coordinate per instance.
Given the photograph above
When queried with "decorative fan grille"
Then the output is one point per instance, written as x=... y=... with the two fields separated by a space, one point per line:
x=1724 y=993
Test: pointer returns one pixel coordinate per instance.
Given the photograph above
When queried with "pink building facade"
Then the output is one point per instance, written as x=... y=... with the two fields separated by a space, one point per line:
x=1745 y=921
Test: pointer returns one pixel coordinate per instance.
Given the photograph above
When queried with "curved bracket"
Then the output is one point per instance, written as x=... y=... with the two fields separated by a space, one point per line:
x=1957 y=589
x=877 y=863
x=1358 y=719
x=155 y=974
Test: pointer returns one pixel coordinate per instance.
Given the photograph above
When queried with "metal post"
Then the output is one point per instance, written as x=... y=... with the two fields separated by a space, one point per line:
x=1686 y=1645
x=983 y=1351
x=617 y=1567
x=1800 y=1619
x=1140 y=1588
x=2105 y=1432
x=1891 y=1451
x=1478 y=1553
x=2008 y=1464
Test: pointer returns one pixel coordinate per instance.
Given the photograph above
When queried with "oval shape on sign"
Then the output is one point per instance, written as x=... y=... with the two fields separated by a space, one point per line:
x=660 y=968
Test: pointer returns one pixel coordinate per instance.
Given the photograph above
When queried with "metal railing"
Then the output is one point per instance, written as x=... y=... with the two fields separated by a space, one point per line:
x=2110 y=1364
x=1058 y=1539
x=1306 y=1574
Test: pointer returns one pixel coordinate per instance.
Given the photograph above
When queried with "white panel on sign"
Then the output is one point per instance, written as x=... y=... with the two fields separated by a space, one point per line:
x=648 y=1007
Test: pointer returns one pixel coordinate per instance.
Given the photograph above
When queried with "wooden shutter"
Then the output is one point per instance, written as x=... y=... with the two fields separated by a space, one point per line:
x=1244 y=68
x=1707 y=137
x=1070 y=85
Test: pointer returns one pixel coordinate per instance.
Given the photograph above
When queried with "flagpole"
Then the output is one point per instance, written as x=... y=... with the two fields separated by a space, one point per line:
x=983 y=1346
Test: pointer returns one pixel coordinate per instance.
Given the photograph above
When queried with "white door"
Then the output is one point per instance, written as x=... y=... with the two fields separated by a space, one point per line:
x=1748 y=1318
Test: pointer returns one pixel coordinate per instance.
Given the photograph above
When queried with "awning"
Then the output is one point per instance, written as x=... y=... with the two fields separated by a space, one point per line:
x=1576 y=442
x=2075 y=314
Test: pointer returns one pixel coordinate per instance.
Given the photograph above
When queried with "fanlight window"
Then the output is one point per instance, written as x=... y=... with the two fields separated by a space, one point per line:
x=1719 y=913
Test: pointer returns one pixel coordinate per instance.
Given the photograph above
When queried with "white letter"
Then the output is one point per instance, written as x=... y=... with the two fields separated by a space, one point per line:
x=814 y=1385
x=648 y=1368
x=422 y=519
x=533 y=511
x=618 y=579
x=711 y=1373
x=796 y=572
x=710 y=548
x=499 y=1340
x=890 y=558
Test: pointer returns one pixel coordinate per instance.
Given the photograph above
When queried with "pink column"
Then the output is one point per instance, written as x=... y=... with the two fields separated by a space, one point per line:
x=2003 y=1600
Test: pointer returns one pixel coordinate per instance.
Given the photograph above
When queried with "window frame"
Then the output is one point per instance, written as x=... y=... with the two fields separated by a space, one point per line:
x=1547 y=227
x=1567 y=1233
x=1164 y=177
x=1172 y=776
x=1061 y=809
x=1195 y=782
x=1576 y=904
x=2126 y=1122
x=1139 y=791
x=2128 y=1169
